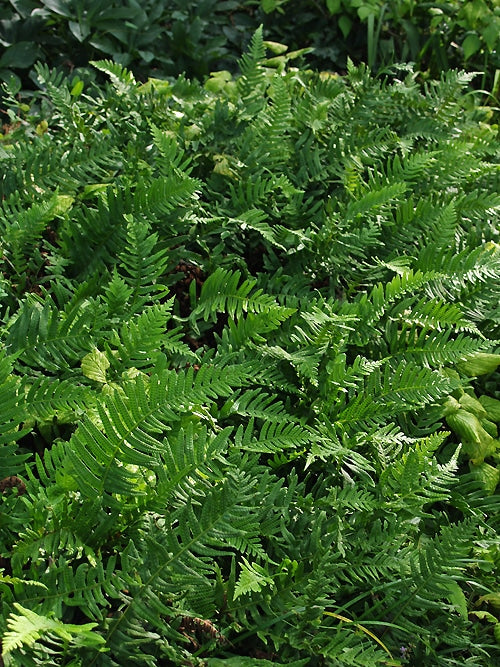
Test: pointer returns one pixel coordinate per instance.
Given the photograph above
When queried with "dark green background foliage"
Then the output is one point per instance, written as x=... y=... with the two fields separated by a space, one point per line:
x=434 y=35
x=171 y=36
x=246 y=327
x=175 y=36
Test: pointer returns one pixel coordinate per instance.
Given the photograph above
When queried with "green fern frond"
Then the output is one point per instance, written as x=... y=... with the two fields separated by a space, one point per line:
x=250 y=193
x=47 y=166
x=90 y=586
x=140 y=339
x=27 y=627
x=254 y=403
x=411 y=168
x=305 y=361
x=329 y=446
x=22 y=230
x=190 y=453
x=252 y=81
x=44 y=337
x=45 y=399
x=417 y=480
x=270 y=128
x=433 y=315
x=117 y=294
x=110 y=453
x=176 y=561
x=277 y=235
x=252 y=327
x=142 y=264
x=164 y=194
x=122 y=79
x=441 y=561
x=391 y=391
x=221 y=293
x=174 y=158
x=374 y=200
x=274 y=436
x=13 y=416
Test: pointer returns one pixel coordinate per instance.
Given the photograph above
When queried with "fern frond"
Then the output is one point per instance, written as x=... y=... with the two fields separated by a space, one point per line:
x=277 y=235
x=371 y=307
x=90 y=586
x=249 y=194
x=27 y=627
x=254 y=403
x=306 y=361
x=432 y=568
x=46 y=399
x=22 y=230
x=270 y=128
x=176 y=562
x=252 y=327
x=122 y=79
x=142 y=264
x=252 y=81
x=416 y=479
x=328 y=445
x=43 y=337
x=109 y=454
x=374 y=200
x=48 y=166
x=140 y=339
x=174 y=158
x=163 y=194
x=393 y=391
x=274 y=436
x=189 y=453
x=433 y=315
x=13 y=416
x=221 y=293
x=432 y=348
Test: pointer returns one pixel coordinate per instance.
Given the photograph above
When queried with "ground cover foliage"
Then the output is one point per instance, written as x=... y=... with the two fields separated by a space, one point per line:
x=249 y=378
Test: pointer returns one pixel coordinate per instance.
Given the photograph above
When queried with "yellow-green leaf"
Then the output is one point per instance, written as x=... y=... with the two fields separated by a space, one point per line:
x=487 y=475
x=95 y=365
x=480 y=363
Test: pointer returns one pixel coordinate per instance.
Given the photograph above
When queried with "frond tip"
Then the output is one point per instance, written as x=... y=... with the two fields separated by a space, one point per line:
x=27 y=627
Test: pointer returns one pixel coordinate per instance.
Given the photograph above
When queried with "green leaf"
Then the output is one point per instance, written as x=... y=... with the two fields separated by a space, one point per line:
x=457 y=598
x=471 y=45
x=345 y=24
x=487 y=475
x=95 y=365
x=334 y=6
x=77 y=88
x=20 y=55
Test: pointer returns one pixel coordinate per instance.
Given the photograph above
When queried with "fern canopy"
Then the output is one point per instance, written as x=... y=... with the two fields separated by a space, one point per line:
x=249 y=372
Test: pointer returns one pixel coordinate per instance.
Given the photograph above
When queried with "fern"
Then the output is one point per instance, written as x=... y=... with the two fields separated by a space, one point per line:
x=230 y=320
x=26 y=627
x=221 y=293
x=252 y=78
x=43 y=337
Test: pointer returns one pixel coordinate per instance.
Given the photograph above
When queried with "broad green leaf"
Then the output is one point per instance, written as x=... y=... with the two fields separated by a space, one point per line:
x=471 y=45
x=95 y=365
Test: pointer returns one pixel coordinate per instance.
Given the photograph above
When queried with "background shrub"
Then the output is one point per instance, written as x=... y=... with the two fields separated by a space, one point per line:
x=174 y=36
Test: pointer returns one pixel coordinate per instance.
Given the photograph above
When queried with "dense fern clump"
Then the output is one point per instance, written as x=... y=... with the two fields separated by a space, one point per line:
x=248 y=378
